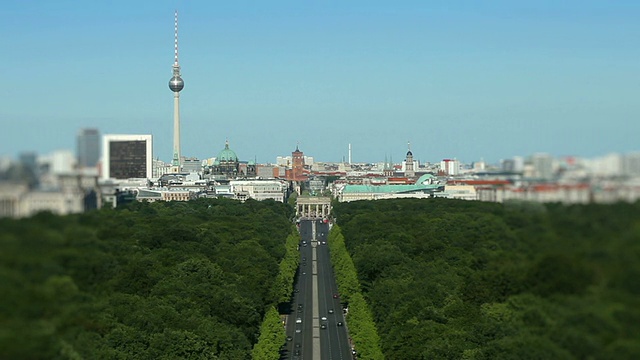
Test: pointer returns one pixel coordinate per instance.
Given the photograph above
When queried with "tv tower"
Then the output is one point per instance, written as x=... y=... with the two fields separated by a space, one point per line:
x=176 y=84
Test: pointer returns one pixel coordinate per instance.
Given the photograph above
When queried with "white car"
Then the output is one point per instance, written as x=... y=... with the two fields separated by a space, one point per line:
x=324 y=318
x=298 y=321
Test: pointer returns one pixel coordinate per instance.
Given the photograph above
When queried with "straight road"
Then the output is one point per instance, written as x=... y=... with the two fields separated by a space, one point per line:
x=312 y=337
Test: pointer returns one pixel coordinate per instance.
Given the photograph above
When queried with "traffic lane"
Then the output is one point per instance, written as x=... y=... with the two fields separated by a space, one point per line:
x=294 y=329
x=322 y=230
x=301 y=308
x=307 y=301
x=331 y=343
x=305 y=231
x=337 y=335
x=341 y=334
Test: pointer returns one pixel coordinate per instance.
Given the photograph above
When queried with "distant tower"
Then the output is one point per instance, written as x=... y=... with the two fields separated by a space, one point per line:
x=176 y=84
x=388 y=167
x=297 y=159
x=409 y=171
x=349 y=153
x=88 y=148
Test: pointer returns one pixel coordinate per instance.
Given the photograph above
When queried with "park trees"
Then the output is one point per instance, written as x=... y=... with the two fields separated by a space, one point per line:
x=449 y=279
x=151 y=280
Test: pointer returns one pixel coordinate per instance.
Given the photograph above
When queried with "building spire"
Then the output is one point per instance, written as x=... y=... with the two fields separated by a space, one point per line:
x=175 y=39
x=176 y=84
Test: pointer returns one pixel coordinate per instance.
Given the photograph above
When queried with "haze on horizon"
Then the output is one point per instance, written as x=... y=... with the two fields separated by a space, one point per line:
x=456 y=78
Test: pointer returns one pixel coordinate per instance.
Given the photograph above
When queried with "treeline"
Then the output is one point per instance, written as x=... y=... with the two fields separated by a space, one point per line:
x=166 y=280
x=450 y=279
x=272 y=331
x=362 y=328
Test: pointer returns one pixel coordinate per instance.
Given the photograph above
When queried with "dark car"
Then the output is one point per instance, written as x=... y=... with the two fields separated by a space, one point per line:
x=289 y=338
x=335 y=296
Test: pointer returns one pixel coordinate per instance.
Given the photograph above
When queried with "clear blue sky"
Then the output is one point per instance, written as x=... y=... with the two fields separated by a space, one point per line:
x=464 y=79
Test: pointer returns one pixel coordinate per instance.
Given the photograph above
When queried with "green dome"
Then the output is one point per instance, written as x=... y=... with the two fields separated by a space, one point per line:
x=226 y=155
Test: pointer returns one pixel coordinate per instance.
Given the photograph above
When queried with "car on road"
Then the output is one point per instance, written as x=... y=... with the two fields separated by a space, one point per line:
x=324 y=318
x=289 y=338
x=330 y=311
x=298 y=331
x=323 y=326
x=298 y=321
x=339 y=323
x=335 y=296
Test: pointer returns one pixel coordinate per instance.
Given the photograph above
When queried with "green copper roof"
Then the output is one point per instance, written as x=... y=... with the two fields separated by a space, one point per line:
x=226 y=155
x=419 y=186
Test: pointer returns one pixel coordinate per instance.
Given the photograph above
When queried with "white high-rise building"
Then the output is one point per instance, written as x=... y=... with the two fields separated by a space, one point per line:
x=127 y=157
x=543 y=166
x=450 y=166
x=631 y=164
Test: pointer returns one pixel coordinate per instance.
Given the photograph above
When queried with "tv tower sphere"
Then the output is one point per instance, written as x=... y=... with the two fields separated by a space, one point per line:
x=176 y=84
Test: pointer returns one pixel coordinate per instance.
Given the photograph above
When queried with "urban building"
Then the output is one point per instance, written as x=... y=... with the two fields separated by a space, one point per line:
x=127 y=157
x=463 y=192
x=297 y=166
x=259 y=189
x=60 y=194
x=191 y=165
x=543 y=166
x=88 y=148
x=450 y=167
x=631 y=164
x=426 y=186
x=409 y=165
x=227 y=165
x=313 y=207
x=166 y=194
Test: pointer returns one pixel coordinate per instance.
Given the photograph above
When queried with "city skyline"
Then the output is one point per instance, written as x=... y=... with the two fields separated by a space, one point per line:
x=461 y=80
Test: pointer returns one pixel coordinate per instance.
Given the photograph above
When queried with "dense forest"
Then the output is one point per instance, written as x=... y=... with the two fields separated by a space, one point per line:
x=166 y=280
x=450 y=279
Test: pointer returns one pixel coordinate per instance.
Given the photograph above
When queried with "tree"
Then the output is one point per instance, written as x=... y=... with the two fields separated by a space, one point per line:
x=272 y=337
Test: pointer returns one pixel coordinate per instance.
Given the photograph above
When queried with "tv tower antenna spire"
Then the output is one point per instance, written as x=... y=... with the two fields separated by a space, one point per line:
x=175 y=38
x=176 y=84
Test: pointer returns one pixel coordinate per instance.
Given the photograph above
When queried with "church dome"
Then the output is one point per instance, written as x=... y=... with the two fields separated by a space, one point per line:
x=226 y=155
x=409 y=153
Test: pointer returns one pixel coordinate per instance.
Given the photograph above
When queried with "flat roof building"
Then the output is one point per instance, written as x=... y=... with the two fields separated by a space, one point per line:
x=127 y=157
